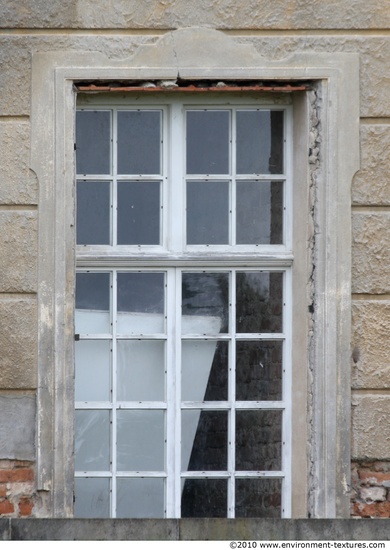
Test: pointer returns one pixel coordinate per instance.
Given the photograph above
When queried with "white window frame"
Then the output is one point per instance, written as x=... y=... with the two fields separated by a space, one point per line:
x=175 y=257
x=323 y=472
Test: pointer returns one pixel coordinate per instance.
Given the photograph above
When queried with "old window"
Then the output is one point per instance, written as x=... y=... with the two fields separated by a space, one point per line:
x=183 y=308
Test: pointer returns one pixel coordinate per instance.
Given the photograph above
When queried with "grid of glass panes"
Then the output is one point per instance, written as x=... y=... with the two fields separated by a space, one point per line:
x=214 y=379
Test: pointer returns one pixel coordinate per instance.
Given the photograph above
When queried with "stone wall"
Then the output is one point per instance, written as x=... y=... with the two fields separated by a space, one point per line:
x=276 y=29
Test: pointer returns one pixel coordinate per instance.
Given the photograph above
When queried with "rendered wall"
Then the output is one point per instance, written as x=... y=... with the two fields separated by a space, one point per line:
x=275 y=29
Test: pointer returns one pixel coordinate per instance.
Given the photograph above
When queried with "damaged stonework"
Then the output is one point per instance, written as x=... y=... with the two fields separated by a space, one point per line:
x=370 y=495
x=314 y=158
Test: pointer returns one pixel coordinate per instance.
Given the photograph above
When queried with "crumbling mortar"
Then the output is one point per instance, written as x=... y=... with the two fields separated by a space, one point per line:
x=314 y=159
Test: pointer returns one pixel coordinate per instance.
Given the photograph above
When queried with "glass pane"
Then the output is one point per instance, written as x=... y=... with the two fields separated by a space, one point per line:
x=208 y=137
x=141 y=370
x=259 y=302
x=93 y=212
x=259 y=212
x=141 y=303
x=205 y=303
x=140 y=498
x=92 y=303
x=204 y=371
x=258 y=440
x=93 y=142
x=92 y=377
x=139 y=142
x=92 y=497
x=92 y=442
x=259 y=371
x=258 y=498
x=207 y=212
x=259 y=142
x=204 y=440
x=204 y=498
x=140 y=440
x=139 y=213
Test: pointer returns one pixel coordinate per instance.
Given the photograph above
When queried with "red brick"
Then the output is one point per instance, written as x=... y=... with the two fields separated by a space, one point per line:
x=3 y=491
x=6 y=507
x=25 y=506
x=373 y=510
x=18 y=474
x=374 y=477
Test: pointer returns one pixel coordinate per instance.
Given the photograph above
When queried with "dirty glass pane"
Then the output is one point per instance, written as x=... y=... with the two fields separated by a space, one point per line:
x=204 y=370
x=205 y=303
x=92 y=497
x=141 y=370
x=259 y=302
x=258 y=440
x=93 y=212
x=204 y=440
x=92 y=303
x=140 y=440
x=139 y=213
x=259 y=370
x=141 y=303
x=204 y=498
x=139 y=142
x=208 y=137
x=207 y=212
x=259 y=142
x=259 y=212
x=92 y=377
x=93 y=142
x=140 y=498
x=92 y=441
x=258 y=498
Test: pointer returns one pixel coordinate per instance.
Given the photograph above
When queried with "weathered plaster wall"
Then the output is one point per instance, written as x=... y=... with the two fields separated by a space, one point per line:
x=275 y=28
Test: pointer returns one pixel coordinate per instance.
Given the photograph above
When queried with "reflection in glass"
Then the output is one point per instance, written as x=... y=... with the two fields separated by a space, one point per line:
x=92 y=314
x=259 y=302
x=204 y=440
x=140 y=498
x=259 y=142
x=259 y=370
x=204 y=498
x=140 y=440
x=92 y=441
x=93 y=212
x=140 y=303
x=208 y=136
x=93 y=142
x=139 y=142
x=259 y=212
x=92 y=376
x=204 y=370
x=141 y=370
x=205 y=303
x=207 y=212
x=258 y=498
x=92 y=497
x=138 y=213
x=258 y=440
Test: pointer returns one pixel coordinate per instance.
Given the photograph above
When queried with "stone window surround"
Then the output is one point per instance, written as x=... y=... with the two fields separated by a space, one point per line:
x=322 y=471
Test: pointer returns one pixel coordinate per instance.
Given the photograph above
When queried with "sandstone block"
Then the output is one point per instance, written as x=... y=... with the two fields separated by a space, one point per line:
x=18 y=183
x=371 y=185
x=370 y=427
x=18 y=343
x=15 y=76
x=278 y=14
x=17 y=434
x=371 y=344
x=371 y=253
x=18 y=251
